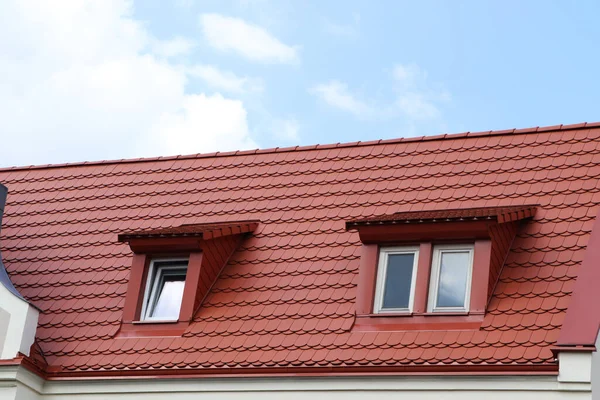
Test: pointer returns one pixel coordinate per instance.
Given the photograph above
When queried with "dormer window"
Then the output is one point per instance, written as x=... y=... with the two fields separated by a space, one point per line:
x=433 y=269
x=451 y=271
x=172 y=272
x=450 y=280
x=396 y=279
x=164 y=290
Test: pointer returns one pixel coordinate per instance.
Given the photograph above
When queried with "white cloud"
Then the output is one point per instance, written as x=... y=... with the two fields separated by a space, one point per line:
x=225 y=80
x=286 y=130
x=416 y=97
x=417 y=105
x=82 y=80
x=250 y=41
x=337 y=95
x=413 y=97
x=202 y=122
x=177 y=46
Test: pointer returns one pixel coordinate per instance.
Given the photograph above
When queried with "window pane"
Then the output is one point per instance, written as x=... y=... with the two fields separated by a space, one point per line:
x=169 y=300
x=454 y=270
x=398 y=280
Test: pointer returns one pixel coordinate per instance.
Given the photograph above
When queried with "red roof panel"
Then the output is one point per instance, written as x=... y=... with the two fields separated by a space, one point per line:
x=286 y=297
x=501 y=214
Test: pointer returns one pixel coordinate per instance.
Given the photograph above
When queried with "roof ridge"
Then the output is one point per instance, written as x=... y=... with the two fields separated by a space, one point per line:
x=446 y=136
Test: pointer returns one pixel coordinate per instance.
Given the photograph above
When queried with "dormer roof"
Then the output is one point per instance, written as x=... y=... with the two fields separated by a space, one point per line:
x=205 y=231
x=499 y=214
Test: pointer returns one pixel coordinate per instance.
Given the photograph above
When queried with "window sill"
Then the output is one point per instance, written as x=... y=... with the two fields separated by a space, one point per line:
x=158 y=321
x=397 y=314
x=447 y=313
x=152 y=329
x=418 y=321
x=415 y=314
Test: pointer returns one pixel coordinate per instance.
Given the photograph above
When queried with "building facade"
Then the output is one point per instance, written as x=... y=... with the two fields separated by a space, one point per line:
x=455 y=266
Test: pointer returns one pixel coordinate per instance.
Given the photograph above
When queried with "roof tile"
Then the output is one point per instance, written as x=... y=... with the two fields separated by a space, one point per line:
x=286 y=298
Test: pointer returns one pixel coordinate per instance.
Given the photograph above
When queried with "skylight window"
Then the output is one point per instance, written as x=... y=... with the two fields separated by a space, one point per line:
x=164 y=290
x=396 y=279
x=451 y=272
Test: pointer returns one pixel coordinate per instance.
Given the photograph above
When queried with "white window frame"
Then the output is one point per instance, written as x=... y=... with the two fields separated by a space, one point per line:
x=435 y=276
x=382 y=266
x=152 y=282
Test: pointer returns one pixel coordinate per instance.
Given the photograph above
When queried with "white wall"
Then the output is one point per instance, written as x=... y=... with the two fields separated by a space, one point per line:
x=380 y=395
x=31 y=387
x=17 y=332
x=4 y=321
x=17 y=383
x=8 y=393
x=575 y=366
x=18 y=392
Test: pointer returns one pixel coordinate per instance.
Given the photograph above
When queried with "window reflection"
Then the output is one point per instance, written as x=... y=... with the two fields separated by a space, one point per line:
x=454 y=272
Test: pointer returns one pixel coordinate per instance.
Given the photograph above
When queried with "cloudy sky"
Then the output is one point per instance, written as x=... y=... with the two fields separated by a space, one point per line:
x=91 y=80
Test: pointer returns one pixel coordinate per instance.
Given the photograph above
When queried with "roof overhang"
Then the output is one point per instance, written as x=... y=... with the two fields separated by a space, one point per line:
x=498 y=214
x=184 y=237
x=431 y=224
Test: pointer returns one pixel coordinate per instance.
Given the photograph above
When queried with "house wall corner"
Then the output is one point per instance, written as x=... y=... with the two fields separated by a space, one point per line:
x=18 y=324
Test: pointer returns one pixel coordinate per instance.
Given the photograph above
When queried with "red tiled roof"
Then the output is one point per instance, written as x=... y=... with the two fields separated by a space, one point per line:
x=501 y=214
x=285 y=300
x=206 y=231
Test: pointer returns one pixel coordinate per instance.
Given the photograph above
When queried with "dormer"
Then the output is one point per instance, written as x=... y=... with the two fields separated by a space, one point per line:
x=172 y=271
x=432 y=269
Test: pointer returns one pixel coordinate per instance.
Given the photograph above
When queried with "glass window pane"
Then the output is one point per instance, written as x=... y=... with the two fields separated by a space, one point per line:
x=169 y=298
x=396 y=293
x=454 y=271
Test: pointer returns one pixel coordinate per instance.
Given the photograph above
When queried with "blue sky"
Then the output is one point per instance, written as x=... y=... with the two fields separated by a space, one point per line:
x=87 y=81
